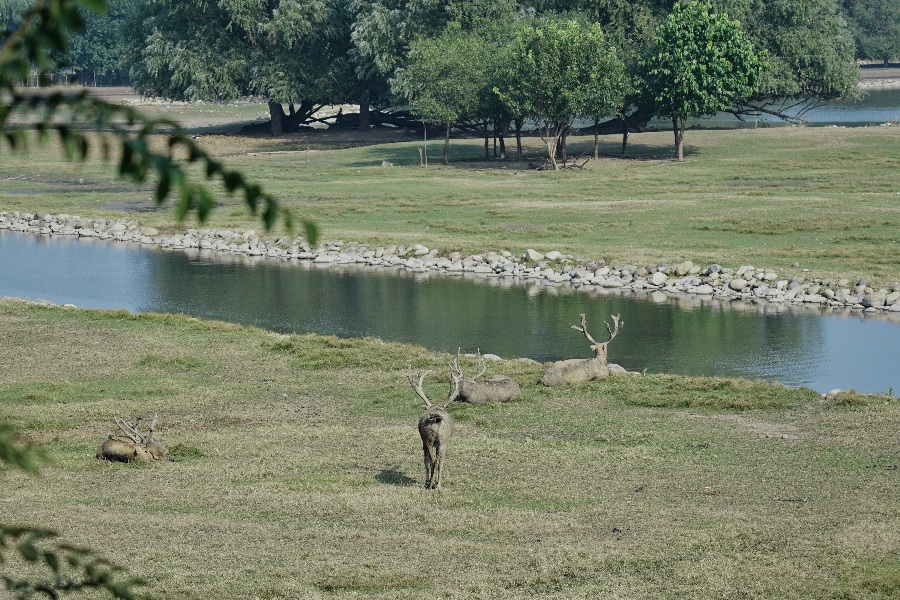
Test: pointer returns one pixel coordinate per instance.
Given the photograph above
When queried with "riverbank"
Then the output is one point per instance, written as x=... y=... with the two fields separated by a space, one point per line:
x=879 y=77
x=297 y=458
x=825 y=198
x=554 y=268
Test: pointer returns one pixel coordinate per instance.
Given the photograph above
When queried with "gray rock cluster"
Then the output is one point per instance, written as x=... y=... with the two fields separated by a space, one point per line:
x=550 y=268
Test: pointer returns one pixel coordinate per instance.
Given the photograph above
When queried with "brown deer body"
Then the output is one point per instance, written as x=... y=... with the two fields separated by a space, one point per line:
x=498 y=388
x=435 y=428
x=582 y=370
x=133 y=446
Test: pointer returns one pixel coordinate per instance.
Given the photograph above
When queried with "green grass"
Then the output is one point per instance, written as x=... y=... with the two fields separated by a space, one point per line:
x=826 y=198
x=299 y=472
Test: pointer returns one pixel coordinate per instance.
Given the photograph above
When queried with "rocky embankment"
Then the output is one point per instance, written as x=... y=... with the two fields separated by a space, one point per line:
x=551 y=268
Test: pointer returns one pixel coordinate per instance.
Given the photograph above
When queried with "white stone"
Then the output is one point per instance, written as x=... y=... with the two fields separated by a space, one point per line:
x=658 y=278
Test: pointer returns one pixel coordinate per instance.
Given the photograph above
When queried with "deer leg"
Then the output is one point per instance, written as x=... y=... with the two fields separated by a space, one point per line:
x=429 y=465
x=439 y=465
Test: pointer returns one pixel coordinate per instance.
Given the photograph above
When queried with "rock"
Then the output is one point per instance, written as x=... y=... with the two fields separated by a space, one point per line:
x=149 y=231
x=533 y=255
x=737 y=284
x=658 y=278
x=554 y=255
x=704 y=290
x=684 y=268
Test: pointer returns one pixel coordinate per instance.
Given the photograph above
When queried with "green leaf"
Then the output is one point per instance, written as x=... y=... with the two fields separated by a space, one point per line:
x=27 y=550
x=205 y=204
x=311 y=231
x=52 y=561
x=232 y=180
x=251 y=194
x=185 y=201
x=163 y=186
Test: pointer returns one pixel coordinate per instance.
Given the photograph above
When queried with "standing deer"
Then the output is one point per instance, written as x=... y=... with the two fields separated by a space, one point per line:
x=498 y=388
x=435 y=427
x=136 y=447
x=581 y=370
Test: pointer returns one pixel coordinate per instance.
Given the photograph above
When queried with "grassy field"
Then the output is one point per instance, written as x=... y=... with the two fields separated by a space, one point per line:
x=827 y=198
x=299 y=473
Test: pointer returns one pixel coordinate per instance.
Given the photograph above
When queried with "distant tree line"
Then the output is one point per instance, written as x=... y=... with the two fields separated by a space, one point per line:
x=490 y=65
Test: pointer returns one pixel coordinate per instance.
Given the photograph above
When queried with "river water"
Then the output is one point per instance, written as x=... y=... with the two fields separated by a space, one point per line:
x=876 y=107
x=795 y=346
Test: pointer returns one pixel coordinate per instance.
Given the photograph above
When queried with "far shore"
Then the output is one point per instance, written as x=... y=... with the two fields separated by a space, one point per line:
x=879 y=77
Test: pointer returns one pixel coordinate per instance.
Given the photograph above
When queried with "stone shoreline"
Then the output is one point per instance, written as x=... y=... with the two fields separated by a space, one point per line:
x=551 y=268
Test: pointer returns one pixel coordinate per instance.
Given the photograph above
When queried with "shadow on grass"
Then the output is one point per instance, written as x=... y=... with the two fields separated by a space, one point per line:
x=471 y=157
x=393 y=476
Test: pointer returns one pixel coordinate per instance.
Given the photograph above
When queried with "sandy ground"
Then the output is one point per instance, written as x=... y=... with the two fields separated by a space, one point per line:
x=871 y=76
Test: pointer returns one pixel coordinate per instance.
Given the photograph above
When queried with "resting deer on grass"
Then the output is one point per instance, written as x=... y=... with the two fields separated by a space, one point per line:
x=435 y=427
x=581 y=370
x=134 y=446
x=498 y=388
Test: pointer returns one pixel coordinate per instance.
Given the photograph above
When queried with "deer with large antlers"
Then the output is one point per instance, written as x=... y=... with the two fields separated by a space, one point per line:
x=435 y=428
x=499 y=388
x=581 y=370
x=133 y=446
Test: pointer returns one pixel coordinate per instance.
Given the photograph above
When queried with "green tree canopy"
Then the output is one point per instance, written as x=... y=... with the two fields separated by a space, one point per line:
x=443 y=79
x=286 y=51
x=876 y=27
x=701 y=63
x=563 y=70
x=809 y=50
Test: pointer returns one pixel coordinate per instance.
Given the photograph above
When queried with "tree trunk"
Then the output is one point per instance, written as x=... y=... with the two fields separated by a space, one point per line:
x=447 y=145
x=678 y=125
x=502 y=132
x=276 y=116
x=364 y=111
x=552 y=143
x=624 y=136
x=596 y=138
x=563 y=138
x=495 y=137
x=425 y=141
x=518 y=139
x=487 y=145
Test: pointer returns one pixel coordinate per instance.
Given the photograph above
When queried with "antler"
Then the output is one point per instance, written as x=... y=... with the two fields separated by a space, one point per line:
x=615 y=332
x=455 y=368
x=153 y=426
x=481 y=365
x=583 y=329
x=131 y=430
x=417 y=387
x=455 y=378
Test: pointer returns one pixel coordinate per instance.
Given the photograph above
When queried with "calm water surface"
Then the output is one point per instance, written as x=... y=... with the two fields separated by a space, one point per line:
x=792 y=345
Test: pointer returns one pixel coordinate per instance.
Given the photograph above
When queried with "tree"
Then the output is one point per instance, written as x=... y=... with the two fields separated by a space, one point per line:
x=562 y=70
x=876 y=27
x=97 y=51
x=43 y=35
x=285 y=51
x=701 y=63
x=809 y=55
x=442 y=79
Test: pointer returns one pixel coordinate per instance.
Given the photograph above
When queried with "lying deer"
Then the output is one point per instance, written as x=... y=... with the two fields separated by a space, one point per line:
x=133 y=446
x=498 y=388
x=435 y=427
x=581 y=370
